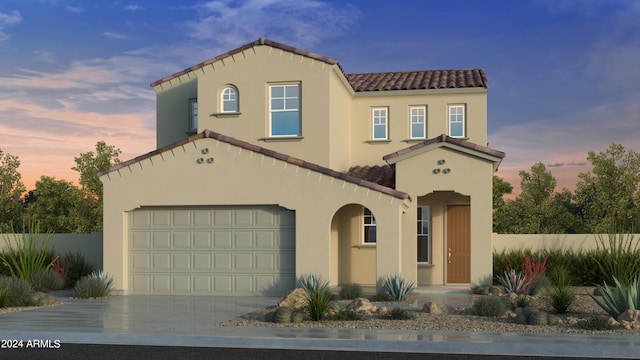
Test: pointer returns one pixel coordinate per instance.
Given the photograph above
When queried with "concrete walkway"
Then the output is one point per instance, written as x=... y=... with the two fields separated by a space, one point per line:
x=191 y=321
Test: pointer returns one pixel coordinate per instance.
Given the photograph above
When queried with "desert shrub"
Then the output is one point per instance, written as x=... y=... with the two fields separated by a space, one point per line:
x=18 y=291
x=95 y=285
x=396 y=288
x=345 y=315
x=4 y=295
x=616 y=301
x=78 y=267
x=559 y=294
x=594 y=323
x=46 y=280
x=490 y=306
x=24 y=253
x=399 y=313
x=523 y=301
x=318 y=296
x=350 y=291
x=621 y=257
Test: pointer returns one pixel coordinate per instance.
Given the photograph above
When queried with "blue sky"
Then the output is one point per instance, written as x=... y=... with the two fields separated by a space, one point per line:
x=563 y=74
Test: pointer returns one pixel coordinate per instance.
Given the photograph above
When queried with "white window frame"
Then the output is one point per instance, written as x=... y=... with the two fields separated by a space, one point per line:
x=418 y=116
x=457 y=115
x=286 y=109
x=380 y=118
x=193 y=114
x=368 y=223
x=421 y=236
x=229 y=95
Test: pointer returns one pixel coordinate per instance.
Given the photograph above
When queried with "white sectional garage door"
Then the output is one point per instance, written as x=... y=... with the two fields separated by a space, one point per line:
x=239 y=250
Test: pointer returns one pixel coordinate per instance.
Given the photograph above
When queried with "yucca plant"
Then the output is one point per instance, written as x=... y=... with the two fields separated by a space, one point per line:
x=616 y=301
x=621 y=257
x=514 y=282
x=559 y=294
x=396 y=288
x=95 y=285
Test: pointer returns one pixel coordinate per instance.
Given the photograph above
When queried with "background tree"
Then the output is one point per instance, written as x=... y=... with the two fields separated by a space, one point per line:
x=88 y=165
x=500 y=189
x=608 y=196
x=11 y=189
x=538 y=209
x=54 y=203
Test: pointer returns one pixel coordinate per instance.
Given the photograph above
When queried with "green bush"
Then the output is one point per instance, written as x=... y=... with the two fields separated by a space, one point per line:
x=559 y=294
x=4 y=295
x=318 y=296
x=346 y=315
x=94 y=285
x=46 y=280
x=490 y=306
x=78 y=267
x=396 y=288
x=399 y=313
x=523 y=301
x=18 y=291
x=621 y=257
x=350 y=291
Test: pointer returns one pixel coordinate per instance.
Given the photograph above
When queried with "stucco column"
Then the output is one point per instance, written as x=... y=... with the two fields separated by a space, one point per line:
x=313 y=244
x=389 y=241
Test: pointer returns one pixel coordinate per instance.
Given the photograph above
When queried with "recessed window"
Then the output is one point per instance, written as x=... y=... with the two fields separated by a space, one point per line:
x=284 y=110
x=369 y=227
x=456 y=121
x=423 y=235
x=379 y=122
x=193 y=115
x=418 y=121
x=229 y=99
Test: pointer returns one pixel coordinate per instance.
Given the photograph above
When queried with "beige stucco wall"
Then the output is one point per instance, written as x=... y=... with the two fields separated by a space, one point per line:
x=469 y=176
x=575 y=242
x=172 y=109
x=366 y=152
x=356 y=260
x=242 y=177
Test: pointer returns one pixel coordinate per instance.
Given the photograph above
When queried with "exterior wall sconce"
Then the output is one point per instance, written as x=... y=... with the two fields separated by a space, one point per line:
x=441 y=162
x=446 y=171
x=200 y=160
x=205 y=150
x=436 y=171
x=210 y=160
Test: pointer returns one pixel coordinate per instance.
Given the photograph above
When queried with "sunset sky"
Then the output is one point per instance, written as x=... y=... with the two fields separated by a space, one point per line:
x=564 y=75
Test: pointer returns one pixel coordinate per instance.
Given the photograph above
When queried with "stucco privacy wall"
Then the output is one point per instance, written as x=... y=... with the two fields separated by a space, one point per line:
x=90 y=245
x=575 y=242
x=237 y=176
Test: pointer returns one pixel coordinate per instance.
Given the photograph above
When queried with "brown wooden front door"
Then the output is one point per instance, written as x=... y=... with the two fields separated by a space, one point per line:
x=458 y=244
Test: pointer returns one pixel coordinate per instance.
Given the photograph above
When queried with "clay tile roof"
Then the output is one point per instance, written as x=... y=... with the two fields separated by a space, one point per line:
x=258 y=149
x=382 y=175
x=447 y=139
x=259 y=42
x=414 y=80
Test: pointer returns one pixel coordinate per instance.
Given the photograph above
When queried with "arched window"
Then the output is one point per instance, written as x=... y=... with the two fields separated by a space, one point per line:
x=229 y=99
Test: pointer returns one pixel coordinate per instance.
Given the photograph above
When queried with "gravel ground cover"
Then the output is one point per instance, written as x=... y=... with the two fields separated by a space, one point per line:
x=459 y=319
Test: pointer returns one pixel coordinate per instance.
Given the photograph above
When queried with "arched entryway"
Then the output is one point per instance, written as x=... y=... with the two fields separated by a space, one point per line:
x=353 y=246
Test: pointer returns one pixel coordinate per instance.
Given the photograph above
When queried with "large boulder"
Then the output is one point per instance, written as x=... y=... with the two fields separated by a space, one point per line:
x=295 y=299
x=361 y=306
x=629 y=315
x=434 y=308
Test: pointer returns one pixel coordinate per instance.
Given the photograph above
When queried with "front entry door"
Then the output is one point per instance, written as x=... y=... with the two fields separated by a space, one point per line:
x=458 y=244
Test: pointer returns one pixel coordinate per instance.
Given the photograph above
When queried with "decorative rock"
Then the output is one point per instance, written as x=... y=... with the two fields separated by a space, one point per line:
x=629 y=316
x=295 y=299
x=382 y=311
x=361 y=305
x=433 y=308
x=612 y=322
x=40 y=299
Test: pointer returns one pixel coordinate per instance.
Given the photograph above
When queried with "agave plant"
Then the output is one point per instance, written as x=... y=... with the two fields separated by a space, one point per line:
x=622 y=298
x=397 y=288
x=514 y=282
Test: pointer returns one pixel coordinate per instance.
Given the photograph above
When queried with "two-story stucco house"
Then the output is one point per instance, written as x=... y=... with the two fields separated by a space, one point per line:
x=272 y=162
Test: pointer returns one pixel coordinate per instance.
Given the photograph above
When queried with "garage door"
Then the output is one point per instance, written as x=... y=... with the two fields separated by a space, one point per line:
x=240 y=250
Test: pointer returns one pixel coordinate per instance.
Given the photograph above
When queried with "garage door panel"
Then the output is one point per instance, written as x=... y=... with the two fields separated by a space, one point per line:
x=226 y=250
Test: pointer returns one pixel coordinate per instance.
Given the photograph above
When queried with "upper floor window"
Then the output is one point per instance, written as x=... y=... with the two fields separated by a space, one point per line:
x=229 y=99
x=284 y=110
x=379 y=129
x=456 y=121
x=423 y=234
x=369 y=227
x=418 y=122
x=193 y=114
